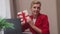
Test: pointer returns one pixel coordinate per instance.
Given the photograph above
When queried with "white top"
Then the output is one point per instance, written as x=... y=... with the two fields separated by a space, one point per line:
x=34 y=20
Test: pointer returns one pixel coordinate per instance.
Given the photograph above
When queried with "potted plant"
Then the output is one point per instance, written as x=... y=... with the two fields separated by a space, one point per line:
x=4 y=24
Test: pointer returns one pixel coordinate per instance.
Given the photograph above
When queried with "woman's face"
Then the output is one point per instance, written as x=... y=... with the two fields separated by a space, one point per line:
x=35 y=9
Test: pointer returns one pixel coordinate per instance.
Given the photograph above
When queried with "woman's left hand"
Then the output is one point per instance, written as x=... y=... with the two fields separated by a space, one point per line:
x=30 y=21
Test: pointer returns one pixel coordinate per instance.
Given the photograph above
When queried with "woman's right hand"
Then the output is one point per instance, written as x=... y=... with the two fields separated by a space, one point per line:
x=20 y=16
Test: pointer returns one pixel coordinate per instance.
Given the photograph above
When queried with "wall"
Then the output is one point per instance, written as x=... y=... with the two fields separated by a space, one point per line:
x=58 y=14
x=5 y=8
x=13 y=9
x=49 y=7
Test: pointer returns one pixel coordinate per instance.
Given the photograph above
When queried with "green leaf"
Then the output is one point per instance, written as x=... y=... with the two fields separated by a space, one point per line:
x=5 y=24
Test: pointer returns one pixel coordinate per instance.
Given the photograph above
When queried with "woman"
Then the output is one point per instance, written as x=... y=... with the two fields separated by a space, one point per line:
x=38 y=24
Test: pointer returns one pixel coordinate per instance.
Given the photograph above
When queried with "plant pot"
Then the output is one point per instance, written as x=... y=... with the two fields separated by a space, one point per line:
x=1 y=31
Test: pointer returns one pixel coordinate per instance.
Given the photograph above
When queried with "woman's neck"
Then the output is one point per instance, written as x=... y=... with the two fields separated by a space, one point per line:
x=34 y=16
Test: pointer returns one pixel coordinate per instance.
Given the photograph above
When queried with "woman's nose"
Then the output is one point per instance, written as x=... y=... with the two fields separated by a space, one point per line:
x=36 y=9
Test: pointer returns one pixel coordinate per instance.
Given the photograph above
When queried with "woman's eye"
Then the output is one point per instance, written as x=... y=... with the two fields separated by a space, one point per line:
x=34 y=7
x=38 y=7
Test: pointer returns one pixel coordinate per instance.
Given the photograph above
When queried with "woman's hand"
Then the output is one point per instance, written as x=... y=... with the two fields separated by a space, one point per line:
x=20 y=16
x=29 y=21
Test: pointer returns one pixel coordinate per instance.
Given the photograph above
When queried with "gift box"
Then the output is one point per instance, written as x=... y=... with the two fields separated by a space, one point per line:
x=23 y=16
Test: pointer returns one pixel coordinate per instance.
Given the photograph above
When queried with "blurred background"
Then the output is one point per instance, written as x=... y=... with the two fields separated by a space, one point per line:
x=9 y=9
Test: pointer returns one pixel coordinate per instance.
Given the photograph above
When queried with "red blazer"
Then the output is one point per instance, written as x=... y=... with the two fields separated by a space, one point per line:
x=41 y=22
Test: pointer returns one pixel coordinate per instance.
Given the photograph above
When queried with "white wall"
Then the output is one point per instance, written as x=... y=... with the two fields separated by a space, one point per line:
x=49 y=7
x=5 y=8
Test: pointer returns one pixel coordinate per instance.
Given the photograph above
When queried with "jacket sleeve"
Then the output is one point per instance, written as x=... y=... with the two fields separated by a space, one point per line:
x=45 y=25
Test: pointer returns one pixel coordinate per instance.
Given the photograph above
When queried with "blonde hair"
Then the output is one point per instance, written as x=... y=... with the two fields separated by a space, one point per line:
x=35 y=2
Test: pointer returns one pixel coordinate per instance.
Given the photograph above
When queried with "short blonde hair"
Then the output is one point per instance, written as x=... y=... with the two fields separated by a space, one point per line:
x=35 y=2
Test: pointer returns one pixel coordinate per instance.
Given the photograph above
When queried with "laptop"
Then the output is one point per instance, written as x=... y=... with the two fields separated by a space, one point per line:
x=17 y=25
